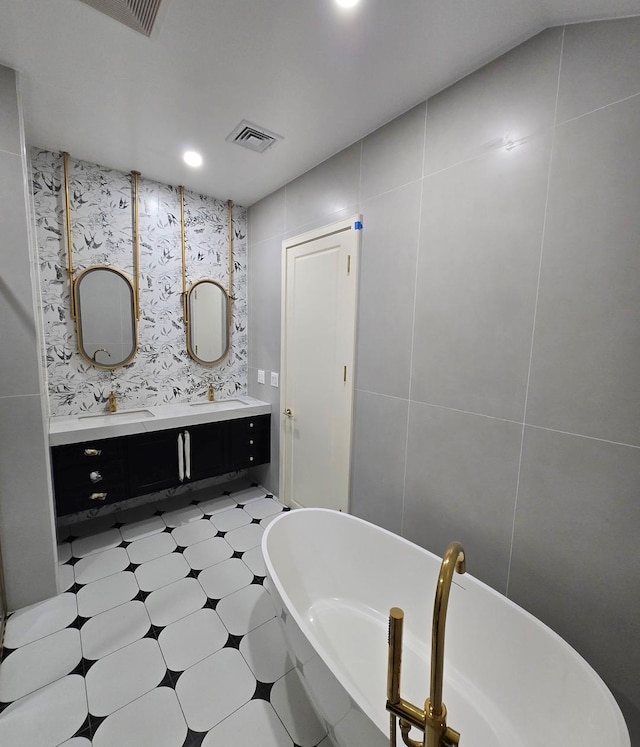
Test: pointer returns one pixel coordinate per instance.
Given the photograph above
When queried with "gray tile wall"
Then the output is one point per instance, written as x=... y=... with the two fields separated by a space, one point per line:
x=498 y=361
x=27 y=540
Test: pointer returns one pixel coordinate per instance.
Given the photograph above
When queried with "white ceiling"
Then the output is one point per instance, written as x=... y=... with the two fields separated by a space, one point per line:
x=320 y=76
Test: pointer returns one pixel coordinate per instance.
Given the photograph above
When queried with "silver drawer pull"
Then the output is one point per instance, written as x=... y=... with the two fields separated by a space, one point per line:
x=250 y=425
x=251 y=459
x=92 y=452
x=250 y=442
x=95 y=476
x=98 y=497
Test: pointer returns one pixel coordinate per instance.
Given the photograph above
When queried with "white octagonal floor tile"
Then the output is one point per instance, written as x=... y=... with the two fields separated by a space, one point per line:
x=114 y=629
x=122 y=677
x=216 y=505
x=263 y=507
x=101 y=565
x=150 y=548
x=162 y=571
x=214 y=688
x=248 y=494
x=192 y=639
x=106 y=593
x=39 y=620
x=64 y=552
x=290 y=702
x=256 y=723
x=46 y=717
x=245 y=538
x=177 y=600
x=39 y=663
x=182 y=516
x=232 y=519
x=205 y=554
x=155 y=720
x=254 y=559
x=195 y=531
x=225 y=578
x=246 y=609
x=96 y=543
x=66 y=578
x=265 y=651
x=143 y=528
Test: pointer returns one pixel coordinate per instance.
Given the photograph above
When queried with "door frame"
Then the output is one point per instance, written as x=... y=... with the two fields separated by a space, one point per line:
x=354 y=223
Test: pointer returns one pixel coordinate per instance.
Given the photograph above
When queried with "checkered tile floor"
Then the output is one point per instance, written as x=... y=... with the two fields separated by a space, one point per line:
x=164 y=636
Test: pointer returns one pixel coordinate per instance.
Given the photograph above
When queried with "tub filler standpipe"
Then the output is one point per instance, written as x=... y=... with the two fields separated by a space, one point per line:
x=432 y=720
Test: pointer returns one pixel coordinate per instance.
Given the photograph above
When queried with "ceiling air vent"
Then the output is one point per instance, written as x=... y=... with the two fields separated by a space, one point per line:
x=139 y=15
x=253 y=137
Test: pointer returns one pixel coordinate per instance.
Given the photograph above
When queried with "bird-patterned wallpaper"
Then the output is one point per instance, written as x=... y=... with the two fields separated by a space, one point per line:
x=101 y=217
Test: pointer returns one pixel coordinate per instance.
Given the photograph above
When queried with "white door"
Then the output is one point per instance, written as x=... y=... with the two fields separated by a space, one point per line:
x=319 y=292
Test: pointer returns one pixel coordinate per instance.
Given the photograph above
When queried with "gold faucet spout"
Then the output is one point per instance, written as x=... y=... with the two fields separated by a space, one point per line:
x=212 y=393
x=453 y=560
x=113 y=402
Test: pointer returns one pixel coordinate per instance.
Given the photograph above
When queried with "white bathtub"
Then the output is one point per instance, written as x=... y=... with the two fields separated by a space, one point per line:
x=509 y=681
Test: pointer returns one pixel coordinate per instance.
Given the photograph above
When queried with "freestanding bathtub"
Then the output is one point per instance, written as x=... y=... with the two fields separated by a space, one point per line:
x=509 y=680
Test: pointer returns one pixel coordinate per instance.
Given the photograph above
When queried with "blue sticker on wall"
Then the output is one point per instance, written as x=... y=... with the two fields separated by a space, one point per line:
x=357 y=226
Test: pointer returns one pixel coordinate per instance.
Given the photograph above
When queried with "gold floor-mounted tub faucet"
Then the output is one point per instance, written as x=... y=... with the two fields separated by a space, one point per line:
x=432 y=720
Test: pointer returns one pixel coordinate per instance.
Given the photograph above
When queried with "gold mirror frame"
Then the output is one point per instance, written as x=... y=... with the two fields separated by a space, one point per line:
x=135 y=288
x=186 y=293
x=189 y=323
x=79 y=333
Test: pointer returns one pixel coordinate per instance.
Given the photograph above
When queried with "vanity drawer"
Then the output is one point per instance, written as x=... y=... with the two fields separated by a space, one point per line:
x=90 y=475
x=70 y=500
x=88 y=452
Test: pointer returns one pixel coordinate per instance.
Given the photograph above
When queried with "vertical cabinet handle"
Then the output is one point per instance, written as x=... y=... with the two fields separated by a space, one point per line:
x=180 y=457
x=187 y=453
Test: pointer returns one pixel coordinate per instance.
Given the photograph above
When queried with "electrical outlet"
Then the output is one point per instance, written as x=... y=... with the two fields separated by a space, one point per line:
x=274 y=379
x=260 y=376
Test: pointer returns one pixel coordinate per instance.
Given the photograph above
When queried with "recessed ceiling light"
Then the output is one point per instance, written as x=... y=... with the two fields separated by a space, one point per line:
x=347 y=3
x=191 y=158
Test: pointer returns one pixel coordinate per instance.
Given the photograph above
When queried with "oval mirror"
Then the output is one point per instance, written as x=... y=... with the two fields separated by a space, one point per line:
x=207 y=327
x=105 y=317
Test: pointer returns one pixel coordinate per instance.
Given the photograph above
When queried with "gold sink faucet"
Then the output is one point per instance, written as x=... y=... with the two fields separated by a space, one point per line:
x=113 y=403
x=432 y=720
x=212 y=393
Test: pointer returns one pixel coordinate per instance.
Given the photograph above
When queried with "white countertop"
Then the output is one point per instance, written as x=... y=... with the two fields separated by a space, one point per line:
x=70 y=429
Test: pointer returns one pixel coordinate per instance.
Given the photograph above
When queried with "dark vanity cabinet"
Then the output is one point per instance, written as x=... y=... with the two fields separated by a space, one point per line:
x=153 y=461
x=94 y=473
x=165 y=459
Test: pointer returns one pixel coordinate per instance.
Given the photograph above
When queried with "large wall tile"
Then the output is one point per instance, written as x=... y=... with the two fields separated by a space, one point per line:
x=377 y=473
x=576 y=555
x=27 y=507
x=266 y=218
x=514 y=96
x=600 y=65
x=317 y=196
x=461 y=481
x=393 y=155
x=385 y=308
x=265 y=262
x=19 y=360
x=477 y=276
x=585 y=375
x=9 y=115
